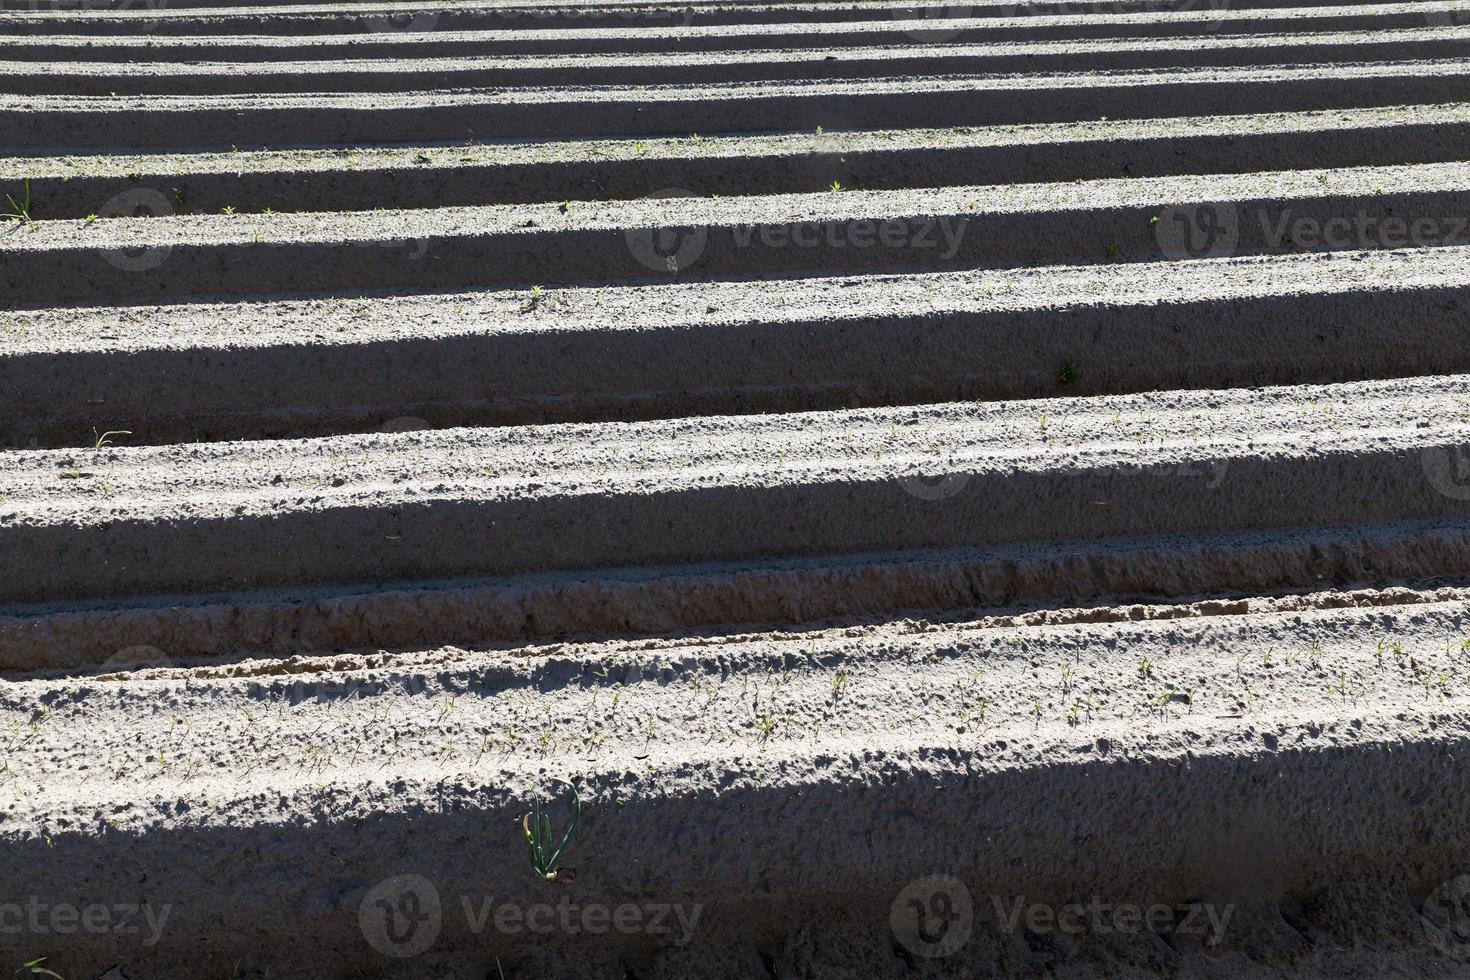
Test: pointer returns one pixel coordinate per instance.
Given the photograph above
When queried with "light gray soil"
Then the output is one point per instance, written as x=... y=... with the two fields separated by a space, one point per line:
x=1048 y=762
x=192 y=372
x=541 y=498
x=104 y=78
x=438 y=176
x=949 y=491
x=332 y=18
x=995 y=226
x=82 y=123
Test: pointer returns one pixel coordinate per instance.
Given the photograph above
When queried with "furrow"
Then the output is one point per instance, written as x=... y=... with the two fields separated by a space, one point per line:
x=140 y=259
x=896 y=485
x=437 y=176
x=410 y=40
x=318 y=367
x=103 y=78
x=418 y=17
x=548 y=498
x=1021 y=586
x=817 y=741
x=37 y=124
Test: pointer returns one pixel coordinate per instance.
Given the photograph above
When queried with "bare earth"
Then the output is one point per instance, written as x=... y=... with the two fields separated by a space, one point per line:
x=907 y=490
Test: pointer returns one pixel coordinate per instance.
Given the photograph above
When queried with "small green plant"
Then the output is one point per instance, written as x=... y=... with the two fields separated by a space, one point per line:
x=837 y=185
x=21 y=209
x=531 y=305
x=105 y=438
x=1069 y=675
x=36 y=968
x=227 y=209
x=1068 y=373
x=539 y=835
x=89 y=219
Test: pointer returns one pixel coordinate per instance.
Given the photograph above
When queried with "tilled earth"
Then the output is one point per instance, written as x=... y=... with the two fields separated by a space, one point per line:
x=919 y=490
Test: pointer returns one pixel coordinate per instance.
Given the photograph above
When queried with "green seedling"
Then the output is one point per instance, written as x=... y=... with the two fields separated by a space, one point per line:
x=837 y=185
x=1068 y=373
x=539 y=835
x=36 y=968
x=105 y=438
x=537 y=295
x=21 y=209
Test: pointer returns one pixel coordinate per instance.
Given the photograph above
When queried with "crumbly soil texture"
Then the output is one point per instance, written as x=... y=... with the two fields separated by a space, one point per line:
x=782 y=490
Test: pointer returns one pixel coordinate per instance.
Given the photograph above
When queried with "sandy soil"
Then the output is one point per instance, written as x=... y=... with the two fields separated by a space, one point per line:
x=414 y=415
x=786 y=786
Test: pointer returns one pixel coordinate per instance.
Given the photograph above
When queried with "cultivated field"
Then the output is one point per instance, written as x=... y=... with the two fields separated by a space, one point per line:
x=905 y=489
